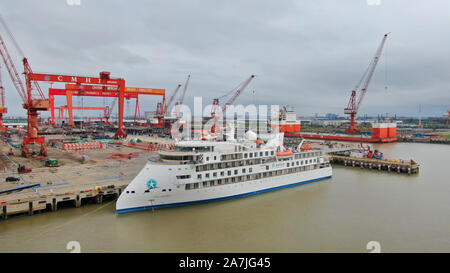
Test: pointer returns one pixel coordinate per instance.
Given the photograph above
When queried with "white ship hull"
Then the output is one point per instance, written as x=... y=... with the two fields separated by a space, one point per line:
x=169 y=192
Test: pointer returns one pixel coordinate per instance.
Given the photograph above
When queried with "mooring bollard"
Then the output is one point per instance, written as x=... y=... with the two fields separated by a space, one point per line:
x=77 y=202
x=30 y=208
x=5 y=212
x=54 y=204
x=99 y=198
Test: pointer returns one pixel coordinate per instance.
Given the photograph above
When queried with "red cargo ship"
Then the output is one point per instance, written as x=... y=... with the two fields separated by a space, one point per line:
x=381 y=131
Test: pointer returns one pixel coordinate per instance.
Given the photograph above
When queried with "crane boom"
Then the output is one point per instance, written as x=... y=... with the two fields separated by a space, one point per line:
x=180 y=102
x=354 y=103
x=215 y=106
x=9 y=64
x=371 y=71
x=2 y=91
x=3 y=109
x=184 y=89
x=173 y=95
x=237 y=94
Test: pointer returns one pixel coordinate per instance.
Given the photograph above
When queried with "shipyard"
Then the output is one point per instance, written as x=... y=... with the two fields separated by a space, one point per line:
x=118 y=140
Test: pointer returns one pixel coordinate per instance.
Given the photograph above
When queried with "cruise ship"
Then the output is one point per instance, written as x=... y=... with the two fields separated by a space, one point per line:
x=197 y=171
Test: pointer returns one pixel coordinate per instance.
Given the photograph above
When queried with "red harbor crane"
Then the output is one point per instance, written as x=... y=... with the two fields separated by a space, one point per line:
x=215 y=106
x=354 y=103
x=3 y=109
x=32 y=105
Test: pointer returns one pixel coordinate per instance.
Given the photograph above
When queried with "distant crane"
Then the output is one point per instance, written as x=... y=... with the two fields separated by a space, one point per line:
x=215 y=115
x=174 y=94
x=180 y=102
x=3 y=109
x=448 y=118
x=108 y=111
x=353 y=104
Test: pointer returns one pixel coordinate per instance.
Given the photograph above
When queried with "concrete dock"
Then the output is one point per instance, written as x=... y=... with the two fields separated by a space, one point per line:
x=105 y=175
x=409 y=167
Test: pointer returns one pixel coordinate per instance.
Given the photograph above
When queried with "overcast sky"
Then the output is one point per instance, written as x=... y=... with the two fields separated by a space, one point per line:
x=308 y=54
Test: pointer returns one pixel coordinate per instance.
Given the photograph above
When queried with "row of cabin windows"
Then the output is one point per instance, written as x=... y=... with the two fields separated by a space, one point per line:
x=230 y=157
x=215 y=166
x=229 y=172
x=304 y=155
x=298 y=163
x=255 y=154
x=247 y=177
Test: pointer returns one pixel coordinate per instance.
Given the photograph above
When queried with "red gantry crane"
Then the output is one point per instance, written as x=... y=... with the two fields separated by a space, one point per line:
x=215 y=106
x=353 y=104
x=125 y=92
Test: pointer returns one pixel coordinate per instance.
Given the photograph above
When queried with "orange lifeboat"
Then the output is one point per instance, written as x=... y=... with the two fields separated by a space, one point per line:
x=306 y=147
x=285 y=153
x=209 y=137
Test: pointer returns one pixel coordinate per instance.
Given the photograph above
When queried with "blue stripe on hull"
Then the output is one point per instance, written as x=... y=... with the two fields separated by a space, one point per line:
x=217 y=199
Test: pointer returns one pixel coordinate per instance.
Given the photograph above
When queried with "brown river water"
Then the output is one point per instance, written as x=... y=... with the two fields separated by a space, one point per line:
x=342 y=214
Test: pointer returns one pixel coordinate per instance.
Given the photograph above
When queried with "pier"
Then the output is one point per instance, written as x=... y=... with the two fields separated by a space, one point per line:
x=398 y=166
x=105 y=176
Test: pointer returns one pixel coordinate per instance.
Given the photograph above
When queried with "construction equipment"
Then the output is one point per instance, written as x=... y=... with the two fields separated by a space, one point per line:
x=353 y=104
x=108 y=111
x=69 y=93
x=448 y=118
x=23 y=169
x=3 y=109
x=172 y=97
x=26 y=93
x=51 y=162
x=180 y=102
x=83 y=89
x=215 y=115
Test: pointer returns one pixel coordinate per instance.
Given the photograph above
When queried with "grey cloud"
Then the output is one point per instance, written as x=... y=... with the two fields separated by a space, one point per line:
x=306 y=53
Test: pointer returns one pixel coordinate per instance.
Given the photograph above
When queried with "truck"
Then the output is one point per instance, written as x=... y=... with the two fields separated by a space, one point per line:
x=51 y=162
